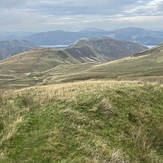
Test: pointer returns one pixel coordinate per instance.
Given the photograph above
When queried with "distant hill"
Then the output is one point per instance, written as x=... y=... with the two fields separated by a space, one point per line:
x=58 y=37
x=138 y=35
x=93 y=30
x=143 y=66
x=19 y=35
x=90 y=50
x=105 y=47
x=12 y=47
x=33 y=66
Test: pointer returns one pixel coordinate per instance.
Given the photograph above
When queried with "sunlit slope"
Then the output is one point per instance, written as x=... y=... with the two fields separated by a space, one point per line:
x=17 y=69
x=36 y=60
x=147 y=65
x=83 y=122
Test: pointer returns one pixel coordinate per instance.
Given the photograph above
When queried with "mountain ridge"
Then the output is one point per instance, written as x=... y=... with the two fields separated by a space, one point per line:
x=143 y=66
x=61 y=37
x=134 y=34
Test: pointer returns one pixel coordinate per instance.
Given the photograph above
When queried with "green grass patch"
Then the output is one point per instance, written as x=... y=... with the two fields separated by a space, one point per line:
x=83 y=122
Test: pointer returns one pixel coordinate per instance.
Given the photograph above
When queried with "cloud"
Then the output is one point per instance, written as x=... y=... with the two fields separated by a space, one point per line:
x=40 y=15
x=73 y=7
x=84 y=7
x=148 y=8
x=11 y=4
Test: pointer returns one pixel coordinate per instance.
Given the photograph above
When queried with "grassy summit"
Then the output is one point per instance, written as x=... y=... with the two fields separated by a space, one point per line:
x=86 y=122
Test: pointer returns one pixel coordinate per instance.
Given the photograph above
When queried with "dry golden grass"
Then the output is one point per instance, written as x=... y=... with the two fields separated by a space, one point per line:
x=73 y=90
x=12 y=129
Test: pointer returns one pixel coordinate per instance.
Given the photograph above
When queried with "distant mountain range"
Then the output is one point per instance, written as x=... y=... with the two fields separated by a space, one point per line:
x=138 y=35
x=58 y=37
x=13 y=35
x=63 y=37
x=12 y=47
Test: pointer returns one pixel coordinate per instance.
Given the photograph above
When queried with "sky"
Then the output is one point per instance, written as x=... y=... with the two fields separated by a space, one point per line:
x=74 y=15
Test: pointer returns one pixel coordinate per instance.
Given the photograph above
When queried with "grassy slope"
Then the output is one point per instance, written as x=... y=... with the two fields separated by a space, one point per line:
x=36 y=60
x=109 y=48
x=16 y=70
x=146 y=66
x=82 y=122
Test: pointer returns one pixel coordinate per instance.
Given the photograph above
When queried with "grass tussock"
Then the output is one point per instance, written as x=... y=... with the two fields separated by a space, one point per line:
x=87 y=122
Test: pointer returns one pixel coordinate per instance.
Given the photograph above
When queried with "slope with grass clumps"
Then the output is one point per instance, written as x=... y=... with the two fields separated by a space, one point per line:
x=85 y=122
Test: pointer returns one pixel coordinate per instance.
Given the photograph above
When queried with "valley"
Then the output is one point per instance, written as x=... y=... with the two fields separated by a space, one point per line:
x=50 y=66
x=47 y=64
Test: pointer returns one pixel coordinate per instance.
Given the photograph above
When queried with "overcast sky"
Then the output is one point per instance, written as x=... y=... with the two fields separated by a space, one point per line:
x=73 y=15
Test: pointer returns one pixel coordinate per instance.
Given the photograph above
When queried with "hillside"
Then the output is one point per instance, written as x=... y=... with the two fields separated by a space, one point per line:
x=113 y=122
x=146 y=66
x=30 y=68
x=37 y=60
x=39 y=65
x=12 y=47
x=108 y=47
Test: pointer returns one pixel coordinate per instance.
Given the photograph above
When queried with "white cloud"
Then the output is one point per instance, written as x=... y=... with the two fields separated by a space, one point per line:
x=150 y=8
x=41 y=15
